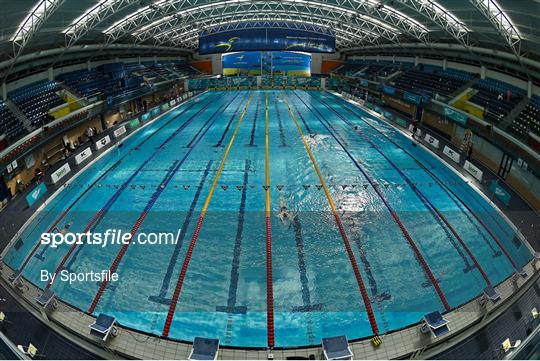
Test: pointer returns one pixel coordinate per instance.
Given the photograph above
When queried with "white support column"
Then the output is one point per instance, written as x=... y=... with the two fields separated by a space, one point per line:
x=393 y=58
x=529 y=89
x=482 y=72
x=444 y=64
x=378 y=58
x=415 y=60
x=139 y=59
x=88 y=65
x=50 y=74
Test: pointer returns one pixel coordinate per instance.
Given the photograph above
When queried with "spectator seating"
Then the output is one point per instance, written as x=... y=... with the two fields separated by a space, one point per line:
x=9 y=124
x=429 y=80
x=93 y=82
x=350 y=68
x=528 y=120
x=489 y=93
x=35 y=100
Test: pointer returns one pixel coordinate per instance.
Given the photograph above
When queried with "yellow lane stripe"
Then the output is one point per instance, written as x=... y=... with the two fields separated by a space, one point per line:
x=312 y=157
x=267 y=156
x=220 y=168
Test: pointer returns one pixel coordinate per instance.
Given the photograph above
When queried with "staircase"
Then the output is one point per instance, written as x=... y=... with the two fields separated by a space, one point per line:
x=359 y=71
x=336 y=69
x=20 y=115
x=462 y=89
x=509 y=118
x=393 y=75
x=74 y=94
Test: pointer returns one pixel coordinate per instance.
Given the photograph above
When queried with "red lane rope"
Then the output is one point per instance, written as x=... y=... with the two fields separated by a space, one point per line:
x=347 y=244
x=60 y=266
x=404 y=230
x=439 y=214
x=193 y=242
x=269 y=285
x=115 y=263
x=356 y=270
x=477 y=217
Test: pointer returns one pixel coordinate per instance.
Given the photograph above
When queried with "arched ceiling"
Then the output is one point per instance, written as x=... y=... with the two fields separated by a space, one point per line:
x=509 y=26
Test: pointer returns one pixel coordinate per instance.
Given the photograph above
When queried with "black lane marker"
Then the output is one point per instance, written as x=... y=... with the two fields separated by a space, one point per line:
x=235 y=266
x=457 y=200
x=254 y=126
x=468 y=267
x=91 y=186
x=377 y=297
x=280 y=123
x=304 y=281
x=161 y=298
x=218 y=144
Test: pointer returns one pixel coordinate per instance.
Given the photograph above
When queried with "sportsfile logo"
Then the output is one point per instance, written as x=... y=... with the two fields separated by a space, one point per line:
x=109 y=237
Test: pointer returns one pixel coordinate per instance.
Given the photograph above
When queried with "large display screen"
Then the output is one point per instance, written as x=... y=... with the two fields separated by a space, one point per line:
x=267 y=63
x=266 y=39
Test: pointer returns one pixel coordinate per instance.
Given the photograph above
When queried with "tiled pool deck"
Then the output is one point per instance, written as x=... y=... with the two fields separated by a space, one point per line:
x=404 y=343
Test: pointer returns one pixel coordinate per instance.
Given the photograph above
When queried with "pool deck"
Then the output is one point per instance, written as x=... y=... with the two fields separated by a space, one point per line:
x=73 y=325
x=464 y=321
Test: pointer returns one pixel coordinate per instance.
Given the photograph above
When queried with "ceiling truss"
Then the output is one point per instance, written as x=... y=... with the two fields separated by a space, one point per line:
x=385 y=21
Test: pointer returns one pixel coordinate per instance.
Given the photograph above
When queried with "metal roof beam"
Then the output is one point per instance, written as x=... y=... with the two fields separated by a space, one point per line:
x=30 y=26
x=500 y=21
x=442 y=17
x=92 y=17
x=165 y=10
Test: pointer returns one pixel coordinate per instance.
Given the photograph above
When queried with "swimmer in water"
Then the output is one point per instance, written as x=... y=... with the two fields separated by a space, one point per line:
x=284 y=215
x=66 y=228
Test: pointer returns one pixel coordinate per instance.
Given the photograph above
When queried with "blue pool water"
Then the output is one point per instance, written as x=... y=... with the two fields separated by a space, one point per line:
x=315 y=289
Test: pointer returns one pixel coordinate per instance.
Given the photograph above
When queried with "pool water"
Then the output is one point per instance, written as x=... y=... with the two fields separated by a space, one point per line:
x=167 y=170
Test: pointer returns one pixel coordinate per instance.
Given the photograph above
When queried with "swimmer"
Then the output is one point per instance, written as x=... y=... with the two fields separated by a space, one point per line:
x=66 y=228
x=284 y=215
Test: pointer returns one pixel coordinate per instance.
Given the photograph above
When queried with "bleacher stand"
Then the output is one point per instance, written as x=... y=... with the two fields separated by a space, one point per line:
x=497 y=98
x=35 y=100
x=428 y=80
x=9 y=124
x=528 y=120
x=111 y=80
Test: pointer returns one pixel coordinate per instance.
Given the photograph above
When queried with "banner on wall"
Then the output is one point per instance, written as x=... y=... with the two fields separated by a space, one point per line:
x=456 y=116
x=103 y=142
x=431 y=140
x=82 y=156
x=60 y=173
x=118 y=132
x=389 y=90
x=134 y=123
x=452 y=154
x=36 y=194
x=473 y=170
x=413 y=98
x=287 y=63
x=500 y=192
x=275 y=39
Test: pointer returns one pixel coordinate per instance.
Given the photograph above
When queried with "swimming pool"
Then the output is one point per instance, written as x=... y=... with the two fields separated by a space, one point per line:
x=378 y=232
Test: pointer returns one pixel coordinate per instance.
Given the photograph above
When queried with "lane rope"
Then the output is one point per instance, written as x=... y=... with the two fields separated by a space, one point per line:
x=346 y=242
x=194 y=238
